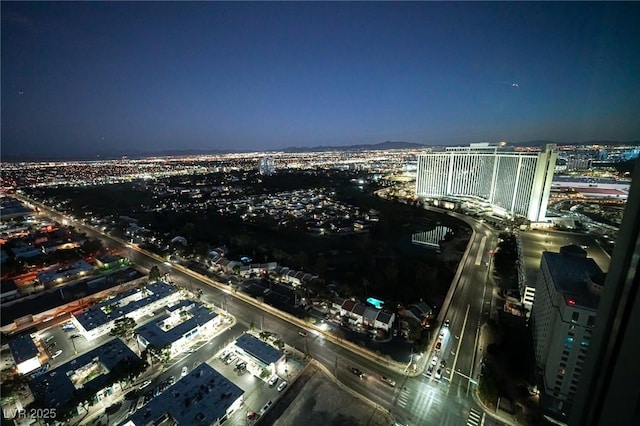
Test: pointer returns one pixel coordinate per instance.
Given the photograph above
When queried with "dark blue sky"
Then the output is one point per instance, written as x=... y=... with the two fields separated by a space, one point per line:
x=83 y=77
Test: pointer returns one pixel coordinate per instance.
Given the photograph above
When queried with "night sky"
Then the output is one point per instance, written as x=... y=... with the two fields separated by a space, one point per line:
x=86 y=77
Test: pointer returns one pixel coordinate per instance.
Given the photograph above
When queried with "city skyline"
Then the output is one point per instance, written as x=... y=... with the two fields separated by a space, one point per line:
x=83 y=78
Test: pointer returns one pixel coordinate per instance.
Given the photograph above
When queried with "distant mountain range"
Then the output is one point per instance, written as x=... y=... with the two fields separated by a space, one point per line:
x=119 y=153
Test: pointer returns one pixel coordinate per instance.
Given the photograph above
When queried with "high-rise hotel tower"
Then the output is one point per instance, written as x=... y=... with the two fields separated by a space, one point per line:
x=515 y=183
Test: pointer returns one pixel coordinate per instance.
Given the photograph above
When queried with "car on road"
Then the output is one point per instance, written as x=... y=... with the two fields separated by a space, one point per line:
x=57 y=354
x=303 y=333
x=357 y=372
x=438 y=373
x=388 y=381
x=188 y=351
x=144 y=384
x=273 y=380
x=282 y=385
x=68 y=327
x=185 y=371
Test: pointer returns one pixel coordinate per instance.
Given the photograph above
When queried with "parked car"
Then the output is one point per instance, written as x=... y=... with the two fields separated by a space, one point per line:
x=49 y=339
x=232 y=357
x=303 y=333
x=57 y=354
x=282 y=385
x=252 y=415
x=434 y=361
x=266 y=407
x=438 y=373
x=273 y=380
x=144 y=384
x=438 y=345
x=447 y=323
x=185 y=371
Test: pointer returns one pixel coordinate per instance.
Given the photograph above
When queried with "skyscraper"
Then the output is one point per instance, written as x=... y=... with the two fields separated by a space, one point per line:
x=609 y=388
x=267 y=166
x=564 y=311
x=515 y=183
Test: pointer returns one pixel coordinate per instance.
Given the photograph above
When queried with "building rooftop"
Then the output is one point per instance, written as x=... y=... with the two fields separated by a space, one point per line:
x=122 y=304
x=89 y=372
x=61 y=273
x=572 y=274
x=22 y=348
x=200 y=398
x=260 y=350
x=384 y=317
x=155 y=333
x=53 y=298
x=358 y=309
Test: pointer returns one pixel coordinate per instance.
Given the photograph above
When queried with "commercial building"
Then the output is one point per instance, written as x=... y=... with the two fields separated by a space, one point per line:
x=26 y=312
x=134 y=303
x=563 y=316
x=89 y=375
x=64 y=273
x=25 y=354
x=261 y=353
x=514 y=183
x=178 y=327
x=203 y=397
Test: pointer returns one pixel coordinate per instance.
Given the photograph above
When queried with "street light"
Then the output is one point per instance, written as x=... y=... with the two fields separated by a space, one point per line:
x=72 y=338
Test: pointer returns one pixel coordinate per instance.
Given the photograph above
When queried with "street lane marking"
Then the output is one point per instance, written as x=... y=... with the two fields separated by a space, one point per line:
x=474 y=418
x=481 y=250
x=455 y=360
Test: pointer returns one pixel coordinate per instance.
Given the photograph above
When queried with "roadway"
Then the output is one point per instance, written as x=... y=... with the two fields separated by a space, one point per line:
x=415 y=400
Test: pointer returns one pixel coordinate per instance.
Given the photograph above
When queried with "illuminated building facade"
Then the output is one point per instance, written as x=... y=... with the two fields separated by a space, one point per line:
x=514 y=183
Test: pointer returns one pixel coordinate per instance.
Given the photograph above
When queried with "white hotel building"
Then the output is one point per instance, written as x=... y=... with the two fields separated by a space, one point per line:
x=514 y=183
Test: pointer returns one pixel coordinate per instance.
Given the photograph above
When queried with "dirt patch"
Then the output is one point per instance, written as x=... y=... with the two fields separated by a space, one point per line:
x=322 y=403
